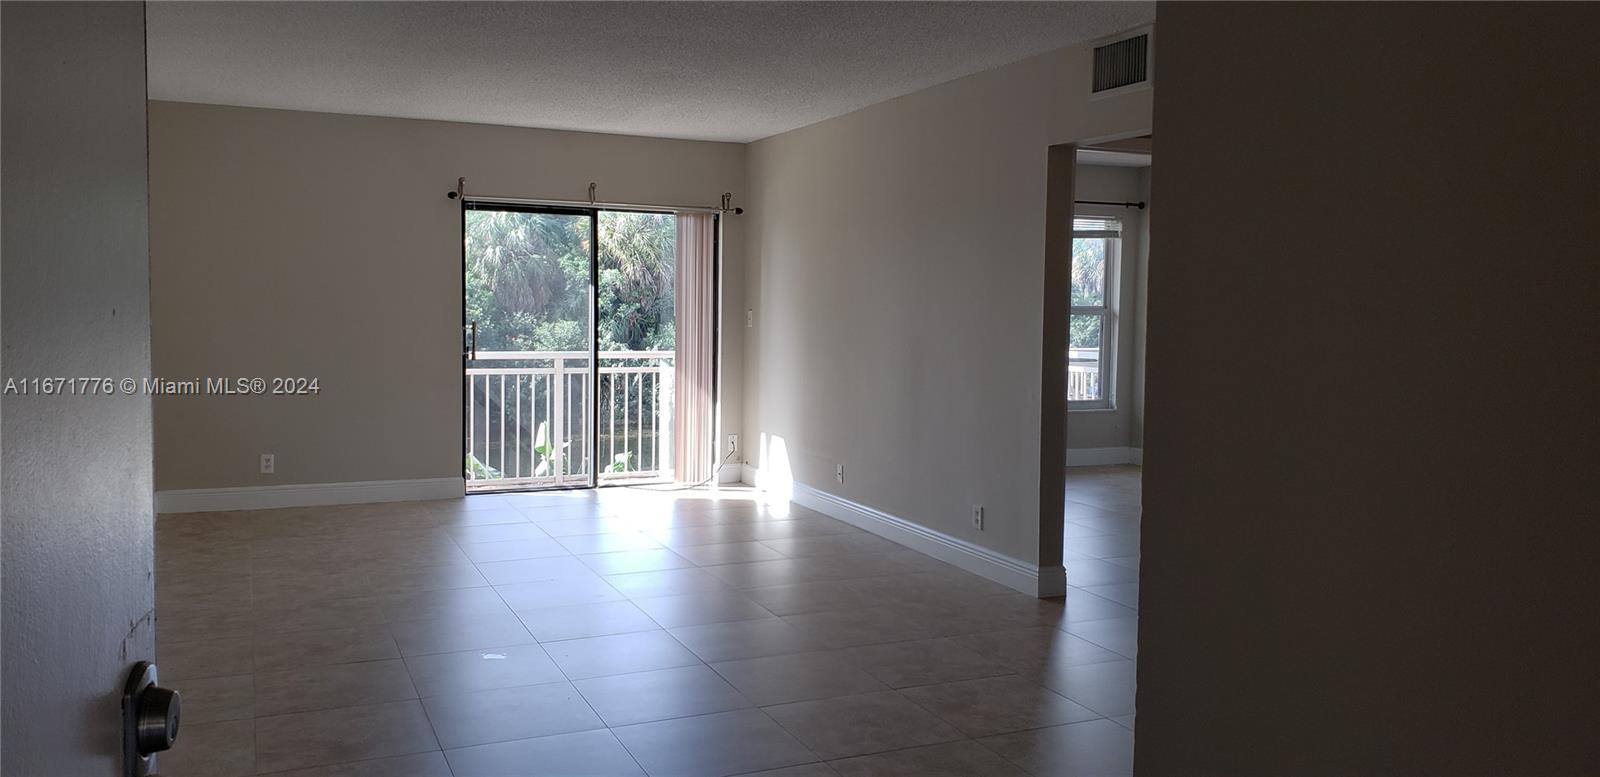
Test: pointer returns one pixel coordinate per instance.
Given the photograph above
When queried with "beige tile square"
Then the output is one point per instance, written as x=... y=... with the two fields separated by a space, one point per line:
x=1095 y=748
x=997 y=705
x=502 y=714
x=923 y=662
x=587 y=753
x=496 y=532
x=221 y=749
x=1035 y=649
x=625 y=699
x=300 y=649
x=731 y=641
x=396 y=579
x=796 y=677
x=1106 y=688
x=212 y=699
x=510 y=550
x=306 y=739
x=715 y=606
x=719 y=744
x=859 y=725
x=288 y=590
x=177 y=623
x=179 y=660
x=419 y=765
x=452 y=603
x=866 y=626
x=551 y=624
x=804 y=770
x=320 y=616
x=619 y=654
x=953 y=759
x=728 y=553
x=566 y=591
x=1082 y=606
x=534 y=570
x=480 y=670
x=632 y=561
x=607 y=543
x=324 y=687
x=450 y=517
x=455 y=633
x=1116 y=634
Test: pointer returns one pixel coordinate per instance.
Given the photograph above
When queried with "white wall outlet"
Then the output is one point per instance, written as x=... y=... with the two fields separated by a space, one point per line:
x=977 y=517
x=733 y=443
x=838 y=473
x=749 y=318
x=269 y=463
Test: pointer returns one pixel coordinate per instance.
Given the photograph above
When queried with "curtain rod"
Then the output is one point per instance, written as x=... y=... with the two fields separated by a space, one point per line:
x=1138 y=205
x=725 y=207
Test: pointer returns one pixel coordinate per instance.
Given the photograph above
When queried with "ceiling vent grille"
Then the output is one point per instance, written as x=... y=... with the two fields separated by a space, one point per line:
x=1121 y=64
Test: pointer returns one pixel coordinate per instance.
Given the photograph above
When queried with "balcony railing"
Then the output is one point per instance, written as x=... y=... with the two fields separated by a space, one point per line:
x=1083 y=382
x=1083 y=374
x=529 y=421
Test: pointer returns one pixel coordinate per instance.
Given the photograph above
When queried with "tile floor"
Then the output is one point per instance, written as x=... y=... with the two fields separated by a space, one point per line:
x=627 y=632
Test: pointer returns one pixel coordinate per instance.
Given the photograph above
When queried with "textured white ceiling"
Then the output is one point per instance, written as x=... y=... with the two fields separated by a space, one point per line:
x=713 y=71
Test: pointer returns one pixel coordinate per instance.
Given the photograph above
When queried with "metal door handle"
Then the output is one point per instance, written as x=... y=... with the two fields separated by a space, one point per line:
x=150 y=717
x=473 y=349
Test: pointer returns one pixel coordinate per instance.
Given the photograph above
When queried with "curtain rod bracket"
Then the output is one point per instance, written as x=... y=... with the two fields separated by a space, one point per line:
x=461 y=189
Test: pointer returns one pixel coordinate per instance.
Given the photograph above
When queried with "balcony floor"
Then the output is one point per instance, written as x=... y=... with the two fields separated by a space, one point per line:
x=619 y=632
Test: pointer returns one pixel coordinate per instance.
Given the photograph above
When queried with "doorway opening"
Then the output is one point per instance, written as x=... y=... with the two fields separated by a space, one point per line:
x=575 y=351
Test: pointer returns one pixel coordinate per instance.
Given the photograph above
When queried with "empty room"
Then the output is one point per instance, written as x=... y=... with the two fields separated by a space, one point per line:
x=800 y=389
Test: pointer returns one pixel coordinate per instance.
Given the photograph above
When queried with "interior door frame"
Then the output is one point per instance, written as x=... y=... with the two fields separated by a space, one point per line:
x=592 y=439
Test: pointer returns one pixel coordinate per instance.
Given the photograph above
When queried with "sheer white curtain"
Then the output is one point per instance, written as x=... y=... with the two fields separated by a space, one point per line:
x=692 y=370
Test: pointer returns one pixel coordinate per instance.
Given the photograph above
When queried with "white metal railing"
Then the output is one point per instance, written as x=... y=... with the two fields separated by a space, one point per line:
x=529 y=421
x=1083 y=374
x=1083 y=382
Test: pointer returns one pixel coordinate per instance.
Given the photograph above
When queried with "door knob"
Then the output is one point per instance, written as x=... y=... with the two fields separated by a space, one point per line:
x=150 y=716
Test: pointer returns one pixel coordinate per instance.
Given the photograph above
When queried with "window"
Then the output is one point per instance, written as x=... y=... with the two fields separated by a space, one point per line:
x=1096 y=241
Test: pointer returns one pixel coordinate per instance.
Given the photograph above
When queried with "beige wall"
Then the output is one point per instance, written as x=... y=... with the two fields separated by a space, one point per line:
x=896 y=265
x=319 y=245
x=1114 y=427
x=78 y=593
x=1370 y=524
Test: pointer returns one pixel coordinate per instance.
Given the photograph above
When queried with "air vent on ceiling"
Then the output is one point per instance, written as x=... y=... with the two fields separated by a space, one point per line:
x=1122 y=64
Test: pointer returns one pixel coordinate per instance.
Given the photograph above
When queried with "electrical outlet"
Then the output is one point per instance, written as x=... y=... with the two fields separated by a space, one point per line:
x=977 y=517
x=749 y=318
x=269 y=464
x=838 y=473
x=733 y=443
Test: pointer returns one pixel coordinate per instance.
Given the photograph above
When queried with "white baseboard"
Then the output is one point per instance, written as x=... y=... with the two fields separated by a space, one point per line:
x=1005 y=570
x=205 y=500
x=1099 y=457
x=750 y=476
x=732 y=473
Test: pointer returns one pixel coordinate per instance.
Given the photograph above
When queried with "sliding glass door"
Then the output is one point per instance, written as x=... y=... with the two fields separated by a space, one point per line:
x=637 y=344
x=529 y=310
x=570 y=327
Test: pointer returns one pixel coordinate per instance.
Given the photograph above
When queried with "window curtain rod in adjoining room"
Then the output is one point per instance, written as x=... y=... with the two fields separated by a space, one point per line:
x=725 y=207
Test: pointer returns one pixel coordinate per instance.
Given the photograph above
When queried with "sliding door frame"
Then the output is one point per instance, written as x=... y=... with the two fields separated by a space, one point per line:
x=592 y=439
